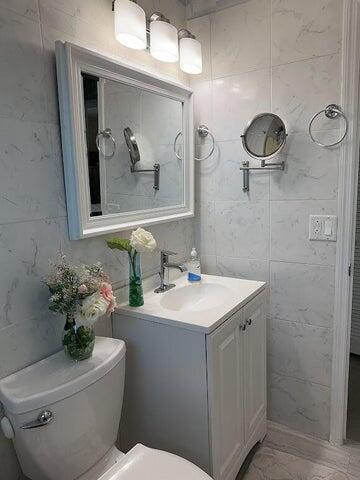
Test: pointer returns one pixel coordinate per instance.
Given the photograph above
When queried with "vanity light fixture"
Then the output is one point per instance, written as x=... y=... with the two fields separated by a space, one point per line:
x=190 y=52
x=163 y=39
x=157 y=35
x=130 y=24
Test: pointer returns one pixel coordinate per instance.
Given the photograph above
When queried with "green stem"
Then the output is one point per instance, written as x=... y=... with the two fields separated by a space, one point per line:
x=132 y=255
x=136 y=298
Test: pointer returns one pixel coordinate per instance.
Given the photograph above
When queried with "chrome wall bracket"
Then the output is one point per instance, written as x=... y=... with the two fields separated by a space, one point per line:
x=155 y=170
x=264 y=167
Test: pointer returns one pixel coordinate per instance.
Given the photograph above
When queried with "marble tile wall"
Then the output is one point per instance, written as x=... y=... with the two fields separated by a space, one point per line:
x=198 y=8
x=33 y=224
x=283 y=56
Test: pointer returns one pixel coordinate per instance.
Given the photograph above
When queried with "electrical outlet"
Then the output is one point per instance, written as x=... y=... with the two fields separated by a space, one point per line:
x=316 y=226
x=323 y=227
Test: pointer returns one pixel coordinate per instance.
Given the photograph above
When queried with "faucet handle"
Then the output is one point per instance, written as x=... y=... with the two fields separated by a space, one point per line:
x=167 y=253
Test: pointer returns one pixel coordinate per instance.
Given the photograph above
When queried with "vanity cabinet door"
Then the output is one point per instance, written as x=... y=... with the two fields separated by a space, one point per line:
x=226 y=409
x=255 y=363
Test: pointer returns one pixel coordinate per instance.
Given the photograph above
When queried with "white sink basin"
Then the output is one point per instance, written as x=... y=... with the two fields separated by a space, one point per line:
x=197 y=306
x=196 y=297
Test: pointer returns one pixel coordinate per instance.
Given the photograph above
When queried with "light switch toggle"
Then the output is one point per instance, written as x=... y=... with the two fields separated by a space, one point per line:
x=328 y=227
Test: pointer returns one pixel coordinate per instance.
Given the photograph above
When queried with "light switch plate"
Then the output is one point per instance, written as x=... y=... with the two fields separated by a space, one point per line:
x=323 y=227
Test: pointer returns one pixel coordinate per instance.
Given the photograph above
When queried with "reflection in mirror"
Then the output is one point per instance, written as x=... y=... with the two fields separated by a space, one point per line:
x=132 y=146
x=127 y=126
x=265 y=136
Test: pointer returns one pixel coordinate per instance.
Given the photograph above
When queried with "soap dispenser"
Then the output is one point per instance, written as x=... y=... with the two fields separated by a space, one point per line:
x=193 y=266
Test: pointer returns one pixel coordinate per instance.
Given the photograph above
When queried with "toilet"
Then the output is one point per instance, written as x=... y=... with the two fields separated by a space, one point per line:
x=63 y=418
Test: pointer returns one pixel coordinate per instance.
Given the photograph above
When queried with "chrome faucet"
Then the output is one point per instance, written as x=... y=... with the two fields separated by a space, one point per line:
x=164 y=263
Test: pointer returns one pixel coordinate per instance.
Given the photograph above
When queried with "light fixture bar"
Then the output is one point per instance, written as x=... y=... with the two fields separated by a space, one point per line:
x=184 y=33
x=158 y=16
x=157 y=35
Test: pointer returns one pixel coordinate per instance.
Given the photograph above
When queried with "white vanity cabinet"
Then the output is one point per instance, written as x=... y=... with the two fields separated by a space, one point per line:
x=196 y=393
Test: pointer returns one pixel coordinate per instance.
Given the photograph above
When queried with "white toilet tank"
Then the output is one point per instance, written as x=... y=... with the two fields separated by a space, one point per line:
x=85 y=400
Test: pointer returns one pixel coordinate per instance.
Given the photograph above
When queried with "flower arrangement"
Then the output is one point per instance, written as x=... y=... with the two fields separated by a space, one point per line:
x=83 y=293
x=141 y=241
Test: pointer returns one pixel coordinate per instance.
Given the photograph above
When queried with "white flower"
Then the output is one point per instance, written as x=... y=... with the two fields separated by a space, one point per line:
x=94 y=307
x=142 y=241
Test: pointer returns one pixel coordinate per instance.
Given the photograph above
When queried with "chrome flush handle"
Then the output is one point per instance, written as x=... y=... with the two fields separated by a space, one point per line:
x=43 y=419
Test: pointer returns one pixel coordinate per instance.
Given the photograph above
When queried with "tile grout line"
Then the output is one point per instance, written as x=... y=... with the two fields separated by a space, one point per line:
x=212 y=115
x=33 y=220
x=276 y=66
x=270 y=216
x=322 y=265
x=329 y=329
x=328 y=387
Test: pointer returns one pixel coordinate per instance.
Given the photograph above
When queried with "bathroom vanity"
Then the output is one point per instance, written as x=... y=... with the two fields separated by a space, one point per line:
x=196 y=371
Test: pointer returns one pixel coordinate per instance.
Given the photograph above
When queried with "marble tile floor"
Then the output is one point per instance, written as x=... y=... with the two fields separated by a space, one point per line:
x=270 y=464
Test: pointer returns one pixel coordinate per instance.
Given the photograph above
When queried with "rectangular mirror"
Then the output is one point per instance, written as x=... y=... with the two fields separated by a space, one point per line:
x=127 y=144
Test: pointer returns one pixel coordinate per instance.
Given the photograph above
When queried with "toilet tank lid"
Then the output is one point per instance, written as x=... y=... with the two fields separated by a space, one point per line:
x=58 y=377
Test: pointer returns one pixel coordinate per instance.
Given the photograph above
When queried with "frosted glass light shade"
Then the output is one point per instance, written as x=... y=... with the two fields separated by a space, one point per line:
x=164 y=41
x=190 y=56
x=130 y=24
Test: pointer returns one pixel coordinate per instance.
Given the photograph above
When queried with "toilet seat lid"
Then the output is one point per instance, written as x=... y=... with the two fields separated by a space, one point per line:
x=142 y=462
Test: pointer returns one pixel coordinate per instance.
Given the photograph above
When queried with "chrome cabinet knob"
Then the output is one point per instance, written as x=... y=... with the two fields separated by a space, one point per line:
x=247 y=322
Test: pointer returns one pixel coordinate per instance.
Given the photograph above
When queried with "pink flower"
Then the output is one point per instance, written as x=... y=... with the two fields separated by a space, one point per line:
x=82 y=289
x=105 y=290
x=107 y=294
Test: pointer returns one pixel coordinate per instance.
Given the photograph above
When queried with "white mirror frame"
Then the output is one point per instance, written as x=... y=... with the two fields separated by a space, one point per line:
x=71 y=60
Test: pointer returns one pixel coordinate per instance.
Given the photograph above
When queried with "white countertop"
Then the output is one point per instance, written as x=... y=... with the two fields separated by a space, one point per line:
x=237 y=291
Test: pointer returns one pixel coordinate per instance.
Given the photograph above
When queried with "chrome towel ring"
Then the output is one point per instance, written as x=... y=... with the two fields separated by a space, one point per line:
x=331 y=111
x=107 y=133
x=203 y=132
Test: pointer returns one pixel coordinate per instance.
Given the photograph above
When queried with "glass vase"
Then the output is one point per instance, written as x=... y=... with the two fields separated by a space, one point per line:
x=136 y=296
x=78 y=339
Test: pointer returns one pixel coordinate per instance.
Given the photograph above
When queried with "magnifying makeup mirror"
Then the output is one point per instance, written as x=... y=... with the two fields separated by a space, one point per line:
x=264 y=136
x=132 y=146
x=135 y=157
